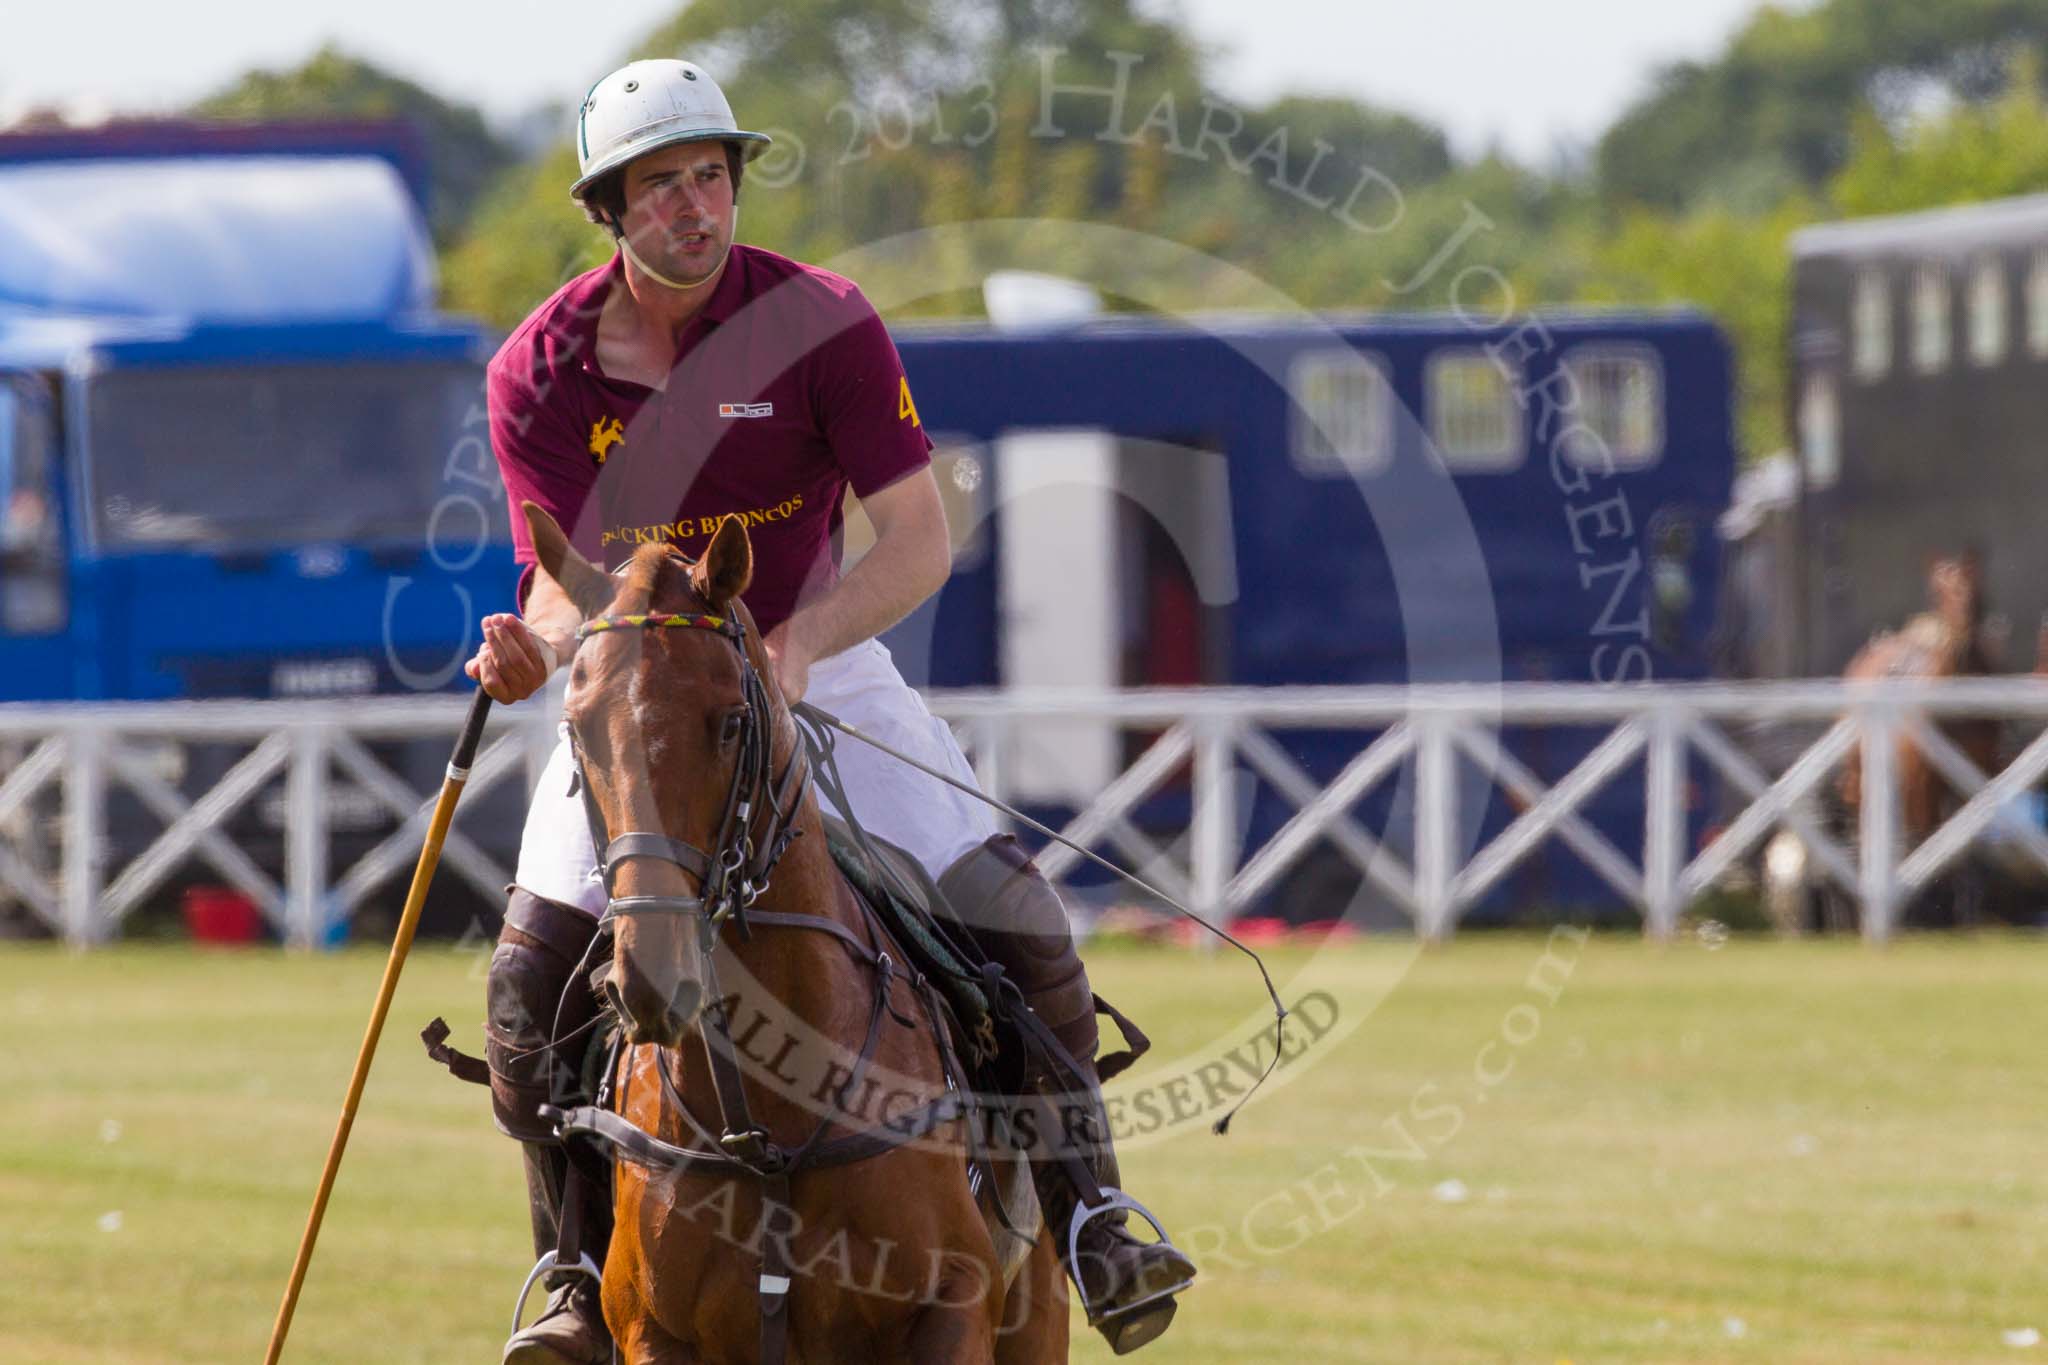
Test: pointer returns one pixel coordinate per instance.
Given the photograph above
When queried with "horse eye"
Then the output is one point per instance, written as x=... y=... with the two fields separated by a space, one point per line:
x=733 y=721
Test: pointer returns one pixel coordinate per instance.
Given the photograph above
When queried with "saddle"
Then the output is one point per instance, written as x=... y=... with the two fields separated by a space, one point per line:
x=991 y=1028
x=904 y=898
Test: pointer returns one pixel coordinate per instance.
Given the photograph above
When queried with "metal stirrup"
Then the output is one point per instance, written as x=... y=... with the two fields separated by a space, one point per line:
x=1086 y=1213
x=547 y=1263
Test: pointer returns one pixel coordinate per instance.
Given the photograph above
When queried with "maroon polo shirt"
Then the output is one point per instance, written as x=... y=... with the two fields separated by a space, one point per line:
x=786 y=392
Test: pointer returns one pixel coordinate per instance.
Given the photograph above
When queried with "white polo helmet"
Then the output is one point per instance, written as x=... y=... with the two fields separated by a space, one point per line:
x=651 y=104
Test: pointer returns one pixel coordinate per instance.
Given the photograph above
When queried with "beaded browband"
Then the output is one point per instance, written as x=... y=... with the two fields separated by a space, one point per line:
x=660 y=620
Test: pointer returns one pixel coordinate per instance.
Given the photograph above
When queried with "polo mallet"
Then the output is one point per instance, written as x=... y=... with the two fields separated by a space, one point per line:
x=422 y=874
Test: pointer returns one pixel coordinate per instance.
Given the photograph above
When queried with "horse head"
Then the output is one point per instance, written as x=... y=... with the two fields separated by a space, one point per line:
x=673 y=729
x=1955 y=591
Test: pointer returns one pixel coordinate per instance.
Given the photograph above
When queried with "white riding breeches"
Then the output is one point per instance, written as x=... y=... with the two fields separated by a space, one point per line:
x=935 y=823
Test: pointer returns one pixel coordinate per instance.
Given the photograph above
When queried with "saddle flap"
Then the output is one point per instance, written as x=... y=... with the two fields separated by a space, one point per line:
x=911 y=907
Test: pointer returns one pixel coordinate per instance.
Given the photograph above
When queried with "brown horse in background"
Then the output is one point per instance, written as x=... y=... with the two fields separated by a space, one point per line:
x=1946 y=641
x=887 y=1257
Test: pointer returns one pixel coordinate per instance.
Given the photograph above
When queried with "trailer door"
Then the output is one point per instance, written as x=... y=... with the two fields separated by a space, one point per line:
x=1057 y=501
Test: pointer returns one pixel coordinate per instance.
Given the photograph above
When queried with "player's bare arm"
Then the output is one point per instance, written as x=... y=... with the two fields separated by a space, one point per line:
x=911 y=557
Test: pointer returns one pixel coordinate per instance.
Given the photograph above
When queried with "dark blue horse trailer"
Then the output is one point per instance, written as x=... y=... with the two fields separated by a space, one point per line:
x=1263 y=501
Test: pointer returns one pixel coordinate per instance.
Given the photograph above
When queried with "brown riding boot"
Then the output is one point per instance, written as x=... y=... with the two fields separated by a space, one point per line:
x=570 y=1329
x=534 y=988
x=1126 y=1286
x=570 y=1332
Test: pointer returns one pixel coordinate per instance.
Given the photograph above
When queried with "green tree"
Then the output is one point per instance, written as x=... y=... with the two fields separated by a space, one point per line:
x=526 y=240
x=1971 y=153
x=888 y=118
x=1822 y=112
x=1404 y=149
x=463 y=156
x=1777 y=106
x=1735 y=267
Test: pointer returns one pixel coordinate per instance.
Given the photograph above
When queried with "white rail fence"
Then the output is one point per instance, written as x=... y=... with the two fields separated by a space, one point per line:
x=84 y=752
x=1445 y=742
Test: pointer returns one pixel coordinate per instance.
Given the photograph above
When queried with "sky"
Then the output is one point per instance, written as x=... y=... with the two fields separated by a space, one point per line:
x=1525 y=77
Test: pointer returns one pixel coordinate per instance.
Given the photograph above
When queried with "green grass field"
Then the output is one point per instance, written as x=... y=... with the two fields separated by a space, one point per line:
x=1769 y=1152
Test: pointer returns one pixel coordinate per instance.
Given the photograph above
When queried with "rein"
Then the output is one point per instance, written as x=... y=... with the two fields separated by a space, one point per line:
x=824 y=721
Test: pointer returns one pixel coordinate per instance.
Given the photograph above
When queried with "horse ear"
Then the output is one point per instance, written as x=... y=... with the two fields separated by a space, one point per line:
x=588 y=586
x=728 y=564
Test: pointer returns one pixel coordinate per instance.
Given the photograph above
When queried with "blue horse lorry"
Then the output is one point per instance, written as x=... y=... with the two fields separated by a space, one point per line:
x=240 y=451
x=242 y=455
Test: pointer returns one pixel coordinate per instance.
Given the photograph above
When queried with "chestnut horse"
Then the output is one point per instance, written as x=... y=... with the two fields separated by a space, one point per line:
x=729 y=910
x=1946 y=641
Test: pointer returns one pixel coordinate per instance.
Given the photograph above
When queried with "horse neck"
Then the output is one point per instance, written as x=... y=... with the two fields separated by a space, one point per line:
x=1959 y=640
x=806 y=881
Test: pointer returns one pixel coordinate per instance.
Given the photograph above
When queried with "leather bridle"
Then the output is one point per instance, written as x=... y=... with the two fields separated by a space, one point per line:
x=734 y=872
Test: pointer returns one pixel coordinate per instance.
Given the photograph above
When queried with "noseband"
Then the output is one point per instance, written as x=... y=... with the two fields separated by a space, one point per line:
x=734 y=872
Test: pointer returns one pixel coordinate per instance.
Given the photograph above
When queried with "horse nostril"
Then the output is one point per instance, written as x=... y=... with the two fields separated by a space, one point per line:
x=647 y=1018
x=683 y=1005
x=636 y=1032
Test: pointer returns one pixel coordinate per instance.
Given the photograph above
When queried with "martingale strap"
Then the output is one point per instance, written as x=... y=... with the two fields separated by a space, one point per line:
x=642 y=1148
x=743 y=1150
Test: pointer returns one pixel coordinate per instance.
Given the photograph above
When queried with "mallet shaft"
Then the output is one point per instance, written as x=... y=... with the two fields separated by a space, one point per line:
x=422 y=876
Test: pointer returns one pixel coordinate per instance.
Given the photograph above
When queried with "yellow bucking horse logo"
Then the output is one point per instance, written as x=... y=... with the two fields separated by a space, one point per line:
x=604 y=434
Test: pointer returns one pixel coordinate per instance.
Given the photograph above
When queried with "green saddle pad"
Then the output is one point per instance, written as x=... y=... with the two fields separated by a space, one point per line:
x=910 y=922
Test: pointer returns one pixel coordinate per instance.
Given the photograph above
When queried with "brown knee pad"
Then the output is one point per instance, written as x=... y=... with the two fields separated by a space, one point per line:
x=535 y=994
x=996 y=892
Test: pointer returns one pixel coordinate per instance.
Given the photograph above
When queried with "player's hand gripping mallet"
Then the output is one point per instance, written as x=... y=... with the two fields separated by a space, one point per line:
x=430 y=855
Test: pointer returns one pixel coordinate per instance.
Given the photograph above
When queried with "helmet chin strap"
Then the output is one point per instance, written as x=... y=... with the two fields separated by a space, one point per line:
x=626 y=245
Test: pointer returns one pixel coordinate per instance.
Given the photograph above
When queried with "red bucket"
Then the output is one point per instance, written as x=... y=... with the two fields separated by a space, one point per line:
x=221 y=914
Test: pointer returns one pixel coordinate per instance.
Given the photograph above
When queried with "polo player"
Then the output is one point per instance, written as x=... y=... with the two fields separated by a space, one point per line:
x=688 y=378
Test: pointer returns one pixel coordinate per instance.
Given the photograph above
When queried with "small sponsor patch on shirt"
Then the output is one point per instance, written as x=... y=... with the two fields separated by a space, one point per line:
x=746 y=409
